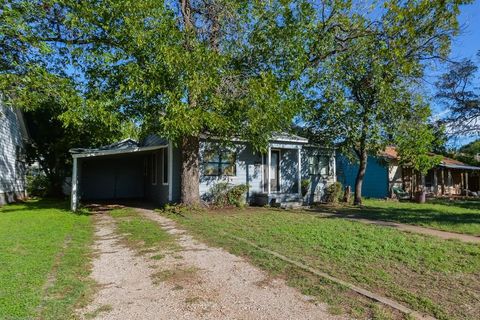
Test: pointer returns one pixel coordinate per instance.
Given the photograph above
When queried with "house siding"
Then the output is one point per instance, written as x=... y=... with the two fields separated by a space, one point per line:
x=318 y=183
x=376 y=181
x=12 y=170
x=248 y=170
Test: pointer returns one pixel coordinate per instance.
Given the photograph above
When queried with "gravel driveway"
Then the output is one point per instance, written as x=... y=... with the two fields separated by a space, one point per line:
x=202 y=282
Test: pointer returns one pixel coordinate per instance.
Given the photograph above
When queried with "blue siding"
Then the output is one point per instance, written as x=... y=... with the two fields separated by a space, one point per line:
x=318 y=183
x=249 y=170
x=375 y=184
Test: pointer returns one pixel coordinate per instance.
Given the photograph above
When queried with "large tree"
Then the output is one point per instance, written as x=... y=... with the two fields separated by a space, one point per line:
x=361 y=97
x=184 y=68
x=459 y=91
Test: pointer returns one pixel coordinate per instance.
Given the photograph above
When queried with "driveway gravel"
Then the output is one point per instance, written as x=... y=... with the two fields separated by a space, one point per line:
x=195 y=282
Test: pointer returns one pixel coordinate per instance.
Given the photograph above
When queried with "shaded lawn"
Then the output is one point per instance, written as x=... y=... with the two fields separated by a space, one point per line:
x=455 y=216
x=44 y=264
x=436 y=276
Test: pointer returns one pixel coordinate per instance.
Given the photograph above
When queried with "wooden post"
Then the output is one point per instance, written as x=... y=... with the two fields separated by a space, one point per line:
x=435 y=182
x=462 y=184
x=466 y=183
x=442 y=173
x=449 y=181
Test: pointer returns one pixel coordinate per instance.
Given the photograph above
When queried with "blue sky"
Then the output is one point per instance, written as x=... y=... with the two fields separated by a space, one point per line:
x=466 y=45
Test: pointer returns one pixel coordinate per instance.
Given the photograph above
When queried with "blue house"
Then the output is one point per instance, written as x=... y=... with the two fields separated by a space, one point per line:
x=384 y=173
x=376 y=181
x=149 y=170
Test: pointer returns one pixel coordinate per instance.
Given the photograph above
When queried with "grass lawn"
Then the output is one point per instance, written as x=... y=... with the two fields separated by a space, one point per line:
x=140 y=233
x=44 y=260
x=431 y=275
x=455 y=216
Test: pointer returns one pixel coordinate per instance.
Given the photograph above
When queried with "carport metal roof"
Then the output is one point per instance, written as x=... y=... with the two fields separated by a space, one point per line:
x=121 y=147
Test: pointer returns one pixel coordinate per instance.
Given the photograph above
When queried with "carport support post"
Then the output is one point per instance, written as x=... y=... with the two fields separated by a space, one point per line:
x=269 y=157
x=74 y=198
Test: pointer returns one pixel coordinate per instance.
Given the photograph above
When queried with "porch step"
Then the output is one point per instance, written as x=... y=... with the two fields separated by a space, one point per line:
x=291 y=205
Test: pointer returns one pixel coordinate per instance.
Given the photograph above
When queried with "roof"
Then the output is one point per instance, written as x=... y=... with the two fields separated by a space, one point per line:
x=391 y=152
x=125 y=146
x=288 y=137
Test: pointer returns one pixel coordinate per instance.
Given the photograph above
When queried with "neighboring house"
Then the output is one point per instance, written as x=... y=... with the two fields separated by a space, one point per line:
x=449 y=178
x=150 y=170
x=13 y=136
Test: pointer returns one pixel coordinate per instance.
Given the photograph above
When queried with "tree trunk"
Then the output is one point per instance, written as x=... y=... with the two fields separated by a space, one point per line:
x=362 y=168
x=190 y=171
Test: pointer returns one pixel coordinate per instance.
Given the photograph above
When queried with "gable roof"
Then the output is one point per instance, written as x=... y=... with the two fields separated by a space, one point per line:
x=391 y=152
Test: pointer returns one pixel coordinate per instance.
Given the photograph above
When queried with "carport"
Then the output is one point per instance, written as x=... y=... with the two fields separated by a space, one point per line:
x=122 y=171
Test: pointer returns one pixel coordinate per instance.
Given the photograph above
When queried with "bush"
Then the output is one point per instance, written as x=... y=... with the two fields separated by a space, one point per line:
x=305 y=184
x=334 y=192
x=37 y=185
x=224 y=194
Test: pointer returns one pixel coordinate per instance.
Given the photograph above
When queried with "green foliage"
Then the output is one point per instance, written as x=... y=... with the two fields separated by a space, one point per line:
x=334 y=192
x=305 y=184
x=469 y=153
x=224 y=194
x=37 y=185
x=415 y=140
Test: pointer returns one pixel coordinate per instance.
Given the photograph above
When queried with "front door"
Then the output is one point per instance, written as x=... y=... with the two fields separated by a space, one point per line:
x=275 y=171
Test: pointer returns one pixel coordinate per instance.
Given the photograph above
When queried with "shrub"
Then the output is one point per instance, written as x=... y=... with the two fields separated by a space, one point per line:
x=37 y=185
x=305 y=184
x=334 y=192
x=224 y=194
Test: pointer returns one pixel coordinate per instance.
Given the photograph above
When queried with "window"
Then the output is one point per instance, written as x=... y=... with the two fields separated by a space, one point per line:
x=319 y=165
x=165 y=166
x=217 y=163
x=154 y=169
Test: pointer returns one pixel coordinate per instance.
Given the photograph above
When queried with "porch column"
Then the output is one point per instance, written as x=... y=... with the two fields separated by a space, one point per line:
x=442 y=174
x=269 y=157
x=74 y=199
x=435 y=182
x=299 y=171
x=449 y=181
x=466 y=183
x=170 y=171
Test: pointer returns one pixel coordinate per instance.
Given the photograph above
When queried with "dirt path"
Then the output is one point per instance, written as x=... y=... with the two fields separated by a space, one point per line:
x=195 y=282
x=422 y=230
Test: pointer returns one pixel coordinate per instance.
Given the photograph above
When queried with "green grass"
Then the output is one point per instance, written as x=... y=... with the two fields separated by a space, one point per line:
x=44 y=260
x=141 y=233
x=455 y=216
x=436 y=276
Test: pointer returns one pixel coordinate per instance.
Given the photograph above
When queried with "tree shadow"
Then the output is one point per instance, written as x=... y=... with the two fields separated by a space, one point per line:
x=409 y=215
x=42 y=204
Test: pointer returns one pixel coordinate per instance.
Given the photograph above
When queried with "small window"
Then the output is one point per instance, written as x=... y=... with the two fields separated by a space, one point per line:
x=319 y=165
x=154 y=169
x=165 y=166
x=217 y=163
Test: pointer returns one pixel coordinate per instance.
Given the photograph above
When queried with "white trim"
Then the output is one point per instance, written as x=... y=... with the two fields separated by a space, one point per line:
x=74 y=193
x=268 y=169
x=154 y=164
x=170 y=171
x=299 y=158
x=165 y=152
x=112 y=152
